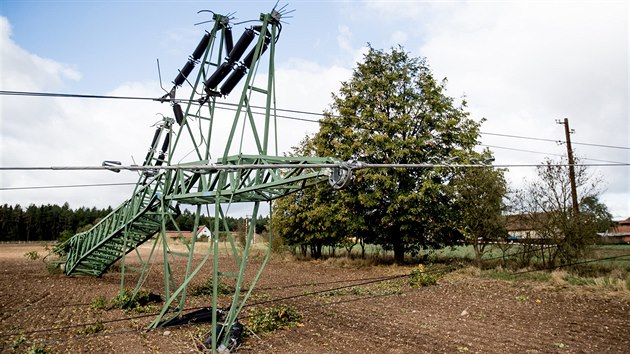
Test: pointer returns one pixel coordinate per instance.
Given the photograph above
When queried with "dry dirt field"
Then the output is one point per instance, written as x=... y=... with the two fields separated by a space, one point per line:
x=462 y=314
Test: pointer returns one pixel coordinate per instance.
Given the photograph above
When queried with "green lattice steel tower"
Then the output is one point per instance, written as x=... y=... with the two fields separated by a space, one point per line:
x=198 y=133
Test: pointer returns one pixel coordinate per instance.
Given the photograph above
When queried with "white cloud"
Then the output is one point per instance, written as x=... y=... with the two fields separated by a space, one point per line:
x=344 y=38
x=522 y=65
x=23 y=71
x=38 y=131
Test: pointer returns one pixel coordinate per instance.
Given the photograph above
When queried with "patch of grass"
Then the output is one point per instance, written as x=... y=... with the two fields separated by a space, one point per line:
x=271 y=319
x=32 y=255
x=205 y=288
x=501 y=274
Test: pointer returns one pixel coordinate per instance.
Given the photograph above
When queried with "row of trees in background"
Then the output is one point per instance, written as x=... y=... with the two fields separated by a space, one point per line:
x=45 y=222
x=393 y=111
x=53 y=222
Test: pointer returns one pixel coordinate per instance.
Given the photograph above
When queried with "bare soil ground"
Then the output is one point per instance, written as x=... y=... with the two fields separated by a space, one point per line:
x=463 y=313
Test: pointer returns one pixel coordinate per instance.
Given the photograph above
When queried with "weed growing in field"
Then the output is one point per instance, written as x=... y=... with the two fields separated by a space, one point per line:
x=97 y=327
x=420 y=277
x=38 y=349
x=99 y=303
x=17 y=342
x=54 y=269
x=32 y=255
x=390 y=287
x=205 y=288
x=266 y=320
x=140 y=303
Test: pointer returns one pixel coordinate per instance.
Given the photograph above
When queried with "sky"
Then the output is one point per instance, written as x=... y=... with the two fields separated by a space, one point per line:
x=520 y=65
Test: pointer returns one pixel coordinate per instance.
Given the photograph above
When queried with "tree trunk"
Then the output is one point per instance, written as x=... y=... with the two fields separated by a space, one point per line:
x=399 y=253
x=475 y=245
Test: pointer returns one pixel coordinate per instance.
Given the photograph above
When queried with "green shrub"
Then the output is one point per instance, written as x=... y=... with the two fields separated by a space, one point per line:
x=17 y=342
x=94 y=328
x=266 y=320
x=420 y=277
x=38 y=349
x=139 y=303
x=32 y=255
x=99 y=303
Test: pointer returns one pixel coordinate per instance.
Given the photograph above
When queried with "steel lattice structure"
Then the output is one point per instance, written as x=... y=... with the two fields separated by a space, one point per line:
x=189 y=138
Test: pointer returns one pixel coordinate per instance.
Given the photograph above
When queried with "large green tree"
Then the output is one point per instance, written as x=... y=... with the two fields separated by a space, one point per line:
x=393 y=111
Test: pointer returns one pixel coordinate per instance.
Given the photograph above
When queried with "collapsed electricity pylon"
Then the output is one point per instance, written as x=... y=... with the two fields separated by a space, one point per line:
x=189 y=139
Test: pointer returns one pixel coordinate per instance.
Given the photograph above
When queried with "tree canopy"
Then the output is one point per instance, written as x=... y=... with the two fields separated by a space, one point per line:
x=391 y=111
x=545 y=203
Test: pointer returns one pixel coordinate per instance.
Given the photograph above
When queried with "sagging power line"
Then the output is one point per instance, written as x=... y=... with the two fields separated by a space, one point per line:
x=231 y=107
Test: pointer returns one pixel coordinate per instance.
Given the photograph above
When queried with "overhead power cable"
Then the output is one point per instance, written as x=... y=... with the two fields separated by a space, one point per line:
x=342 y=165
x=68 y=95
x=67 y=186
x=544 y=153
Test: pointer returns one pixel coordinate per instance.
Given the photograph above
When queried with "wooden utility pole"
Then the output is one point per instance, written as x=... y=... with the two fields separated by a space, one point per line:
x=567 y=133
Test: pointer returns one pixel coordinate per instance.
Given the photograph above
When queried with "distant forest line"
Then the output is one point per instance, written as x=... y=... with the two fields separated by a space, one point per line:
x=49 y=222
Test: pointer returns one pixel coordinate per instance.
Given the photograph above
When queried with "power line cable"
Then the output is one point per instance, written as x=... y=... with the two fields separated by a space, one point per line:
x=67 y=186
x=66 y=95
x=351 y=165
x=544 y=153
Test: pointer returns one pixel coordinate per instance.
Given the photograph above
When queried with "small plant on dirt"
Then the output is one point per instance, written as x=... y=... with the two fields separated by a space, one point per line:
x=99 y=303
x=420 y=277
x=32 y=255
x=390 y=287
x=17 y=342
x=205 y=288
x=140 y=303
x=94 y=328
x=266 y=320
x=38 y=349
x=54 y=269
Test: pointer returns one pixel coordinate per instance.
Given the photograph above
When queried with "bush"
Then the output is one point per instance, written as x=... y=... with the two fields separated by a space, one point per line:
x=93 y=328
x=139 y=303
x=99 y=303
x=419 y=277
x=32 y=255
x=266 y=320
